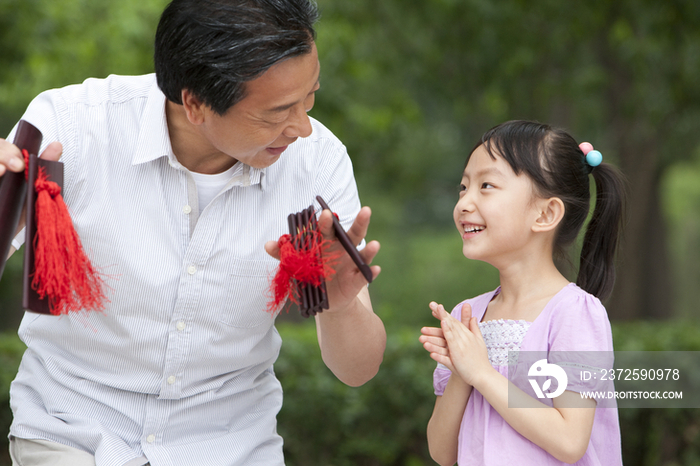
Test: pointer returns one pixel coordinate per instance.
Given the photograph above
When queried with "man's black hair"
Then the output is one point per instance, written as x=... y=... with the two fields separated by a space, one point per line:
x=213 y=47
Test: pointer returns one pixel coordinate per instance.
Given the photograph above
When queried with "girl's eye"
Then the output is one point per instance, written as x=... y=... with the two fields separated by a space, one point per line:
x=486 y=185
x=462 y=187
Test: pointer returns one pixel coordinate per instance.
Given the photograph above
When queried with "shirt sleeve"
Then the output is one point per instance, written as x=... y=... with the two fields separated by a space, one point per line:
x=580 y=323
x=441 y=376
x=580 y=342
x=335 y=182
x=45 y=112
x=18 y=241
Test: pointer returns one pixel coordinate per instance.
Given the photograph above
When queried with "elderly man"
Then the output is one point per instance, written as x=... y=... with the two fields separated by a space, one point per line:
x=176 y=183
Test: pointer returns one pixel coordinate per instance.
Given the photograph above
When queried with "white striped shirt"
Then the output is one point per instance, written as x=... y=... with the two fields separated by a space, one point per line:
x=178 y=370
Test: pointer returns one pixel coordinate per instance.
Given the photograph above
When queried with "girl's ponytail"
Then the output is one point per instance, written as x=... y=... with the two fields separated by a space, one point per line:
x=597 y=268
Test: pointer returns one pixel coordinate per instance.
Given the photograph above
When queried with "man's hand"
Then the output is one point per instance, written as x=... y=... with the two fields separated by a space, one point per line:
x=351 y=336
x=347 y=282
x=11 y=158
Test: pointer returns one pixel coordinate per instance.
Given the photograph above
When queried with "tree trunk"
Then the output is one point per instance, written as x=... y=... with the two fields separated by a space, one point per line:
x=643 y=285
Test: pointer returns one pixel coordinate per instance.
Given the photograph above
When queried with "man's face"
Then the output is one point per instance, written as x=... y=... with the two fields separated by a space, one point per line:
x=271 y=116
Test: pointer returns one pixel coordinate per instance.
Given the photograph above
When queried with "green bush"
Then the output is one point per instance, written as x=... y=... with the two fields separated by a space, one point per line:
x=325 y=423
x=11 y=350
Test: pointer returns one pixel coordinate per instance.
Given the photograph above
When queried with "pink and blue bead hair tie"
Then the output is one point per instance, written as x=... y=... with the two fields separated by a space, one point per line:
x=593 y=157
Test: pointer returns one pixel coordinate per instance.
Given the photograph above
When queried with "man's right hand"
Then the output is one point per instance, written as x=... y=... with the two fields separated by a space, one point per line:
x=11 y=157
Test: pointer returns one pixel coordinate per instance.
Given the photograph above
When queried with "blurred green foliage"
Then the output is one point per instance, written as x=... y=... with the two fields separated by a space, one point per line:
x=439 y=273
x=681 y=201
x=325 y=422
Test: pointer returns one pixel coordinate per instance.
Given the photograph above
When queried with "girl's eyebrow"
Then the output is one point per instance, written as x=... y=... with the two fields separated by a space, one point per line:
x=486 y=171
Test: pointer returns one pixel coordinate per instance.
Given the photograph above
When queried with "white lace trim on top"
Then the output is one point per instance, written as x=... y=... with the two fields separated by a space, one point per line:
x=502 y=336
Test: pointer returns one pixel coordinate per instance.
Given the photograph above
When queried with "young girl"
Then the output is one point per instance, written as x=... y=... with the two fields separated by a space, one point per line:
x=524 y=197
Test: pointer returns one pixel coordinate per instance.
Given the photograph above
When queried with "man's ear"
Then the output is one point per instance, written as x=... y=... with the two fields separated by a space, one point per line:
x=194 y=108
x=551 y=212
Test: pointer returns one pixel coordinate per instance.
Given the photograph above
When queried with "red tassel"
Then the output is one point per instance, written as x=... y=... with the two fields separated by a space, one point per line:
x=63 y=272
x=310 y=264
x=25 y=154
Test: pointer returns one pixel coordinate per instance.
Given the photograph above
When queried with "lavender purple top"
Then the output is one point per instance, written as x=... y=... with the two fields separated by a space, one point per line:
x=573 y=320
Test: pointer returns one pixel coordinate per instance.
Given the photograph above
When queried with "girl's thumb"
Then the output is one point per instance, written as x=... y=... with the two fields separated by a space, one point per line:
x=466 y=314
x=474 y=327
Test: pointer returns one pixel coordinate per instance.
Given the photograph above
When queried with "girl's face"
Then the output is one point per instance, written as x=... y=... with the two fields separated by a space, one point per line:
x=495 y=211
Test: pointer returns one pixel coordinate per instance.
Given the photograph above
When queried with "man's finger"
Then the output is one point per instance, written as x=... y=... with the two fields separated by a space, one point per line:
x=370 y=251
x=325 y=224
x=52 y=152
x=273 y=249
x=358 y=230
x=10 y=157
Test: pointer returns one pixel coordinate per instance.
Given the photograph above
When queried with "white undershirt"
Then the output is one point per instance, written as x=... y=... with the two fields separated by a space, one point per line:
x=208 y=186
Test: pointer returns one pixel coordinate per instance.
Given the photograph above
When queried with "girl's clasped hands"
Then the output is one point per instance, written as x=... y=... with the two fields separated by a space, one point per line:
x=458 y=345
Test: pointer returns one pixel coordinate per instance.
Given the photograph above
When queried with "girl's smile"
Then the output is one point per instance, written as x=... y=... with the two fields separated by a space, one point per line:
x=470 y=230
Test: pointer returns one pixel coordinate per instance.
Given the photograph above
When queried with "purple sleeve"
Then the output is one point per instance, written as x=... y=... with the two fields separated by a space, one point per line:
x=441 y=376
x=580 y=340
x=580 y=323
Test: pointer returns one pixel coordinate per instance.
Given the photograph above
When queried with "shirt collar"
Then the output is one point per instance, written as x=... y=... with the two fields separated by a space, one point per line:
x=257 y=176
x=154 y=139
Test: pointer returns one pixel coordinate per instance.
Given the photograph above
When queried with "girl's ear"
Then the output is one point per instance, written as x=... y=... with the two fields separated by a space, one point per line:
x=551 y=212
x=194 y=108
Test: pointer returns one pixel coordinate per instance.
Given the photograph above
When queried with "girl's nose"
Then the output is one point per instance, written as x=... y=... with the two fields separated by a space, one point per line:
x=466 y=202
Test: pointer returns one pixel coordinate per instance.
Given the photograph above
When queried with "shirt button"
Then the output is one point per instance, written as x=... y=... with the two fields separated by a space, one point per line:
x=171 y=379
x=151 y=438
x=187 y=209
x=192 y=270
x=181 y=326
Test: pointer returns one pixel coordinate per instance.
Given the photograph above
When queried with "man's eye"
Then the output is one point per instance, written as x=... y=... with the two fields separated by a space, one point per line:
x=276 y=121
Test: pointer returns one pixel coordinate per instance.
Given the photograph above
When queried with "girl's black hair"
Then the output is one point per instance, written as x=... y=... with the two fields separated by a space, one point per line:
x=557 y=167
x=213 y=47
